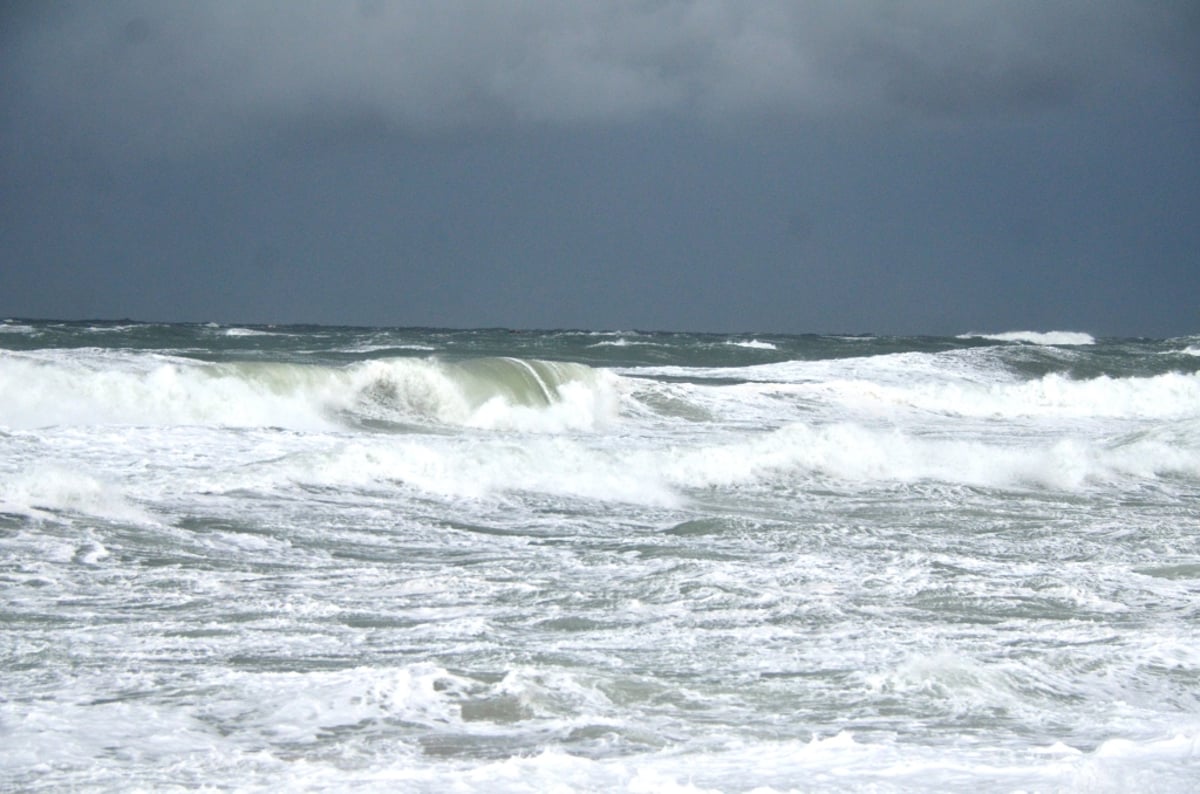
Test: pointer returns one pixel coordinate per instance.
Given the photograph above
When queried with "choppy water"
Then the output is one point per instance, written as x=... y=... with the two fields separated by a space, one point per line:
x=327 y=558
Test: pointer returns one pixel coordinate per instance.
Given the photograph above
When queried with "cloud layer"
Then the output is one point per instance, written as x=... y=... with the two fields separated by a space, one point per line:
x=166 y=76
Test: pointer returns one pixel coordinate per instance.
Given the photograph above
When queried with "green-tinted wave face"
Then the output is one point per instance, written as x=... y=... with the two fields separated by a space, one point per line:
x=485 y=392
x=524 y=382
x=89 y=386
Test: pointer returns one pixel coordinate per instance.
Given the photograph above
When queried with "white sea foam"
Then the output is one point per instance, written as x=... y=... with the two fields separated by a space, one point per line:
x=858 y=454
x=837 y=762
x=1171 y=395
x=85 y=388
x=45 y=489
x=299 y=707
x=753 y=344
x=900 y=368
x=473 y=469
x=959 y=385
x=79 y=733
x=1037 y=337
x=623 y=342
x=915 y=571
x=247 y=332
x=793 y=456
x=375 y=348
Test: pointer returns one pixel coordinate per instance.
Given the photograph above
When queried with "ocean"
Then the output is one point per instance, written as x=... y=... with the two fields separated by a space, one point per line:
x=308 y=558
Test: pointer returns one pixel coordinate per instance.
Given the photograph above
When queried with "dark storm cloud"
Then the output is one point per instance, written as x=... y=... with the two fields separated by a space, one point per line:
x=891 y=166
x=152 y=76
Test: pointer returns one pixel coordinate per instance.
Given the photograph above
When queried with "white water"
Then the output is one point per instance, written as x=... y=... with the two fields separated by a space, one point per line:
x=1038 y=337
x=902 y=572
x=95 y=387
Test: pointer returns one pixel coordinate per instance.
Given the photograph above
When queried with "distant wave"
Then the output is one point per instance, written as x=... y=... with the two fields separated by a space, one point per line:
x=377 y=348
x=117 y=328
x=752 y=344
x=623 y=342
x=1037 y=337
x=247 y=332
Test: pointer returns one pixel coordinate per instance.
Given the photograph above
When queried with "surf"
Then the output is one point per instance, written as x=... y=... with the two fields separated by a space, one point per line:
x=99 y=387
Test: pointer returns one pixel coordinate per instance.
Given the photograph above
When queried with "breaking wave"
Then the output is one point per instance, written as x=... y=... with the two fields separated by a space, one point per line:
x=753 y=344
x=94 y=387
x=796 y=456
x=885 y=385
x=1037 y=337
x=1168 y=395
x=854 y=454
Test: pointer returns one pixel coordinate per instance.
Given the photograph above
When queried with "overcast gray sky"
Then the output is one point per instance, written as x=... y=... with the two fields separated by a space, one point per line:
x=913 y=166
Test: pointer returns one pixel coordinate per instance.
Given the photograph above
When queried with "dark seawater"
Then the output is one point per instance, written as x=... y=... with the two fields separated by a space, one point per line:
x=316 y=558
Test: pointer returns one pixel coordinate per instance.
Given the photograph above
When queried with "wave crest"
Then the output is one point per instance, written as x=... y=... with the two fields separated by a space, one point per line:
x=94 y=388
x=513 y=393
x=1037 y=337
x=855 y=454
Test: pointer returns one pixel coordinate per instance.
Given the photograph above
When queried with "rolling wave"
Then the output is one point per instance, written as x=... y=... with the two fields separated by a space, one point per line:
x=91 y=387
x=773 y=464
x=914 y=382
x=1037 y=337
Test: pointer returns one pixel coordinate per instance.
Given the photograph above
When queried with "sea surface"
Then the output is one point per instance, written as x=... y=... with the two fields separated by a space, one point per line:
x=363 y=559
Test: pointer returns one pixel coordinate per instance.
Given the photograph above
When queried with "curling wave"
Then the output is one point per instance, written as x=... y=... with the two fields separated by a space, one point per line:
x=90 y=387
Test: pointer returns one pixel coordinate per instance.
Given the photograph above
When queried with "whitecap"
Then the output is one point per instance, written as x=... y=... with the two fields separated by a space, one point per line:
x=1037 y=337
x=247 y=332
x=753 y=344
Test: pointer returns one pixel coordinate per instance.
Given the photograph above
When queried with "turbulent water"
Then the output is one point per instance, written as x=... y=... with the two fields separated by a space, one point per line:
x=313 y=558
